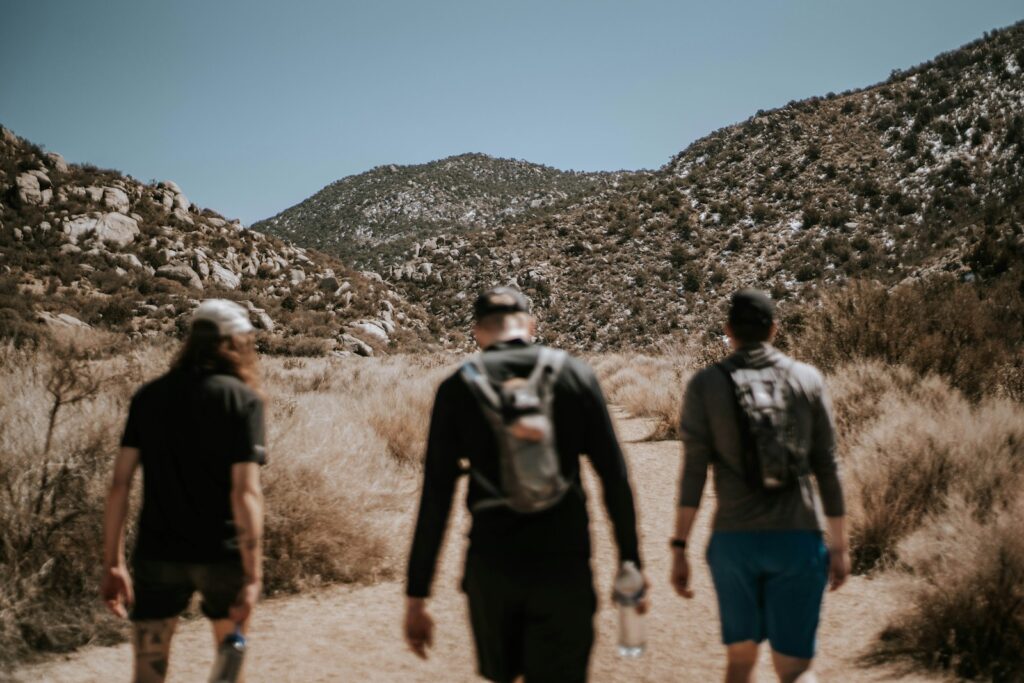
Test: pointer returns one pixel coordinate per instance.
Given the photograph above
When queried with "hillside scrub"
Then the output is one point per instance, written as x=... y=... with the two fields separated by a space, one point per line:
x=968 y=333
x=338 y=483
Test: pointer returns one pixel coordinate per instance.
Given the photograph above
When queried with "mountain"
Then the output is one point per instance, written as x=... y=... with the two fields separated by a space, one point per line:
x=369 y=218
x=919 y=175
x=83 y=247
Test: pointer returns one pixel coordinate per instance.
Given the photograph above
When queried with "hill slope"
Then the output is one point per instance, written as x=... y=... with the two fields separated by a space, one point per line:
x=919 y=175
x=81 y=247
x=368 y=217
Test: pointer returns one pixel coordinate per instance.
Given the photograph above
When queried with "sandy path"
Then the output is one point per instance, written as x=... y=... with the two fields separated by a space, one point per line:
x=353 y=634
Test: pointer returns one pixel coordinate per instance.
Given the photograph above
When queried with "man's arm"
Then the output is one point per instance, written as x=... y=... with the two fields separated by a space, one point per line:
x=695 y=429
x=825 y=467
x=602 y=447
x=440 y=472
x=116 y=586
x=247 y=510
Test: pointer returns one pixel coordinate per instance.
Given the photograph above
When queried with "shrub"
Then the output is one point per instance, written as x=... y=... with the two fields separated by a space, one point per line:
x=925 y=444
x=962 y=331
x=966 y=600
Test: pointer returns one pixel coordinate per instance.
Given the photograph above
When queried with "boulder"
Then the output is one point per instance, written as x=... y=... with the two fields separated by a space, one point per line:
x=117 y=199
x=356 y=346
x=329 y=284
x=44 y=180
x=61 y=320
x=95 y=193
x=57 y=162
x=29 y=191
x=163 y=256
x=223 y=277
x=179 y=272
x=259 y=317
x=70 y=249
x=373 y=329
x=129 y=261
x=296 y=276
x=426 y=268
x=117 y=229
x=182 y=215
x=169 y=185
x=182 y=202
x=200 y=264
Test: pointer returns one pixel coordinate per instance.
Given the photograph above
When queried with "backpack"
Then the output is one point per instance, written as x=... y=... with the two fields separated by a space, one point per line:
x=773 y=459
x=519 y=412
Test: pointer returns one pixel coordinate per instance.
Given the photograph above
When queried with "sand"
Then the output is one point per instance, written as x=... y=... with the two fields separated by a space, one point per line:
x=354 y=633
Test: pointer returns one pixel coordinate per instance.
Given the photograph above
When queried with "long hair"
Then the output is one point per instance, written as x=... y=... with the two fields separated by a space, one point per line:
x=205 y=350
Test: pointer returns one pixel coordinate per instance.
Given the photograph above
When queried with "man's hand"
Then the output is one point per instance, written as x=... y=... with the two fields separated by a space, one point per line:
x=680 y=578
x=419 y=627
x=839 y=567
x=246 y=600
x=116 y=590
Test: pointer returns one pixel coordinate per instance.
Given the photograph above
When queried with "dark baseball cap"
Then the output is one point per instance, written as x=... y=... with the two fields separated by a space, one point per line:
x=500 y=300
x=751 y=307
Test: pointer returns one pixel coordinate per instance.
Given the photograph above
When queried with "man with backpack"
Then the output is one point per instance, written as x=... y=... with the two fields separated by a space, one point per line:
x=763 y=422
x=519 y=415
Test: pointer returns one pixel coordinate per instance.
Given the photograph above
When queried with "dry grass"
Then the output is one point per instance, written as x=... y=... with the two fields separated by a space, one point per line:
x=966 y=607
x=344 y=437
x=647 y=386
x=925 y=445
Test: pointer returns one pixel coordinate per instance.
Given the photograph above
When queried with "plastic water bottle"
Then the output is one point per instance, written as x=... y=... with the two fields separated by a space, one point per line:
x=229 y=658
x=629 y=590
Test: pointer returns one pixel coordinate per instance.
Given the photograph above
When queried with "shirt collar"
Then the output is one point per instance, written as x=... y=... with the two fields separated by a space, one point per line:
x=518 y=343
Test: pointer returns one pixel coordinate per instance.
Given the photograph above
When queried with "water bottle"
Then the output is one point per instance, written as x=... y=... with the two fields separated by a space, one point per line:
x=629 y=590
x=229 y=658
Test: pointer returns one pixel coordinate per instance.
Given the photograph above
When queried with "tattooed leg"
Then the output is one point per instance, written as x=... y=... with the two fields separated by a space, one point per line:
x=152 y=643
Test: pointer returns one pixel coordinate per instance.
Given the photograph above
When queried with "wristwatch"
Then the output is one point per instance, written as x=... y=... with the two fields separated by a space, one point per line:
x=679 y=543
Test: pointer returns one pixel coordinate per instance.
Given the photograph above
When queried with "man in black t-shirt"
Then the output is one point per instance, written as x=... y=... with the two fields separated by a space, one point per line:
x=527 y=577
x=197 y=432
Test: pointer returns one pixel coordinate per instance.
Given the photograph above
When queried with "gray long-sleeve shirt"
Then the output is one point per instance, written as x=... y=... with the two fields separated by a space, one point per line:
x=711 y=436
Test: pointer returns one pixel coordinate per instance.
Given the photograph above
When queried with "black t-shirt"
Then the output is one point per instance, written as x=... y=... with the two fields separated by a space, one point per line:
x=190 y=428
x=557 y=536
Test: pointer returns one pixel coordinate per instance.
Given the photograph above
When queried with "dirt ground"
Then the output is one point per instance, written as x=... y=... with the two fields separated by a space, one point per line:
x=354 y=633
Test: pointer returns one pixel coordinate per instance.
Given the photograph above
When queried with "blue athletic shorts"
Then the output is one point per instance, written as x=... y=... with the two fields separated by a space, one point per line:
x=770 y=585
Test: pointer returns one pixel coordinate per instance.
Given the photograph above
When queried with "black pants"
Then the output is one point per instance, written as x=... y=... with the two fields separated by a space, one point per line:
x=534 y=619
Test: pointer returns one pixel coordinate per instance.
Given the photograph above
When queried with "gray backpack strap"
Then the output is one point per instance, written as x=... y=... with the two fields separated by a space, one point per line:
x=549 y=364
x=474 y=373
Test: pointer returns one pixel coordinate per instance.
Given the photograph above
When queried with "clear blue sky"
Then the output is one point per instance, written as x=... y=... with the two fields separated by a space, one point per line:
x=252 y=105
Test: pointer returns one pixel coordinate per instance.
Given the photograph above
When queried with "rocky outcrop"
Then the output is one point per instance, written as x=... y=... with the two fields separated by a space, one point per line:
x=114 y=229
x=179 y=272
x=223 y=277
x=34 y=188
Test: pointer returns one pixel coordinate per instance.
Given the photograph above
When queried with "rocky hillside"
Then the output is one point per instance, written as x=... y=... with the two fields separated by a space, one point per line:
x=84 y=247
x=919 y=175
x=368 y=219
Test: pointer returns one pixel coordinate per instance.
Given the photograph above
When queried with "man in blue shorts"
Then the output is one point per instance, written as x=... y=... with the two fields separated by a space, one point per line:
x=763 y=422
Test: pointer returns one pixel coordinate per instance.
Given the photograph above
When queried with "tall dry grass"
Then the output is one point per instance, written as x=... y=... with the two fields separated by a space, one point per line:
x=344 y=437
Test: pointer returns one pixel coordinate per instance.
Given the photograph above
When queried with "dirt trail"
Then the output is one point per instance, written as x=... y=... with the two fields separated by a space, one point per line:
x=353 y=634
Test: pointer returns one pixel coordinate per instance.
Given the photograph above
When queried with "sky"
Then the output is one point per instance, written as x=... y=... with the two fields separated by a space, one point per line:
x=252 y=105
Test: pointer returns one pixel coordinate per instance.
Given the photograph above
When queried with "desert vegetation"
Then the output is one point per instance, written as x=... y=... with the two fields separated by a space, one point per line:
x=344 y=439
x=931 y=474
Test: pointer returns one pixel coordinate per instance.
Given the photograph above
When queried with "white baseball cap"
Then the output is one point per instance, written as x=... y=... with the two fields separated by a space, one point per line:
x=229 y=317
